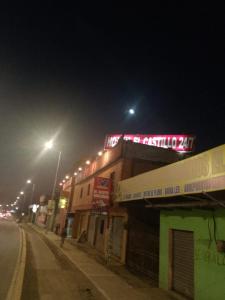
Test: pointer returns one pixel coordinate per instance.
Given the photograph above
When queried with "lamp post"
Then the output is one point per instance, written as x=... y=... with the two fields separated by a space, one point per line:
x=29 y=181
x=23 y=195
x=49 y=145
x=32 y=194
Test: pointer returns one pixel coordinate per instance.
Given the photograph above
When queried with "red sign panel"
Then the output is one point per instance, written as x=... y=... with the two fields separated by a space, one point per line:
x=178 y=142
x=101 y=192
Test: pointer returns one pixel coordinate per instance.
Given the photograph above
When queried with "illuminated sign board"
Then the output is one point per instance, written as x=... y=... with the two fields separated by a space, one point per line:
x=178 y=142
x=101 y=191
x=63 y=203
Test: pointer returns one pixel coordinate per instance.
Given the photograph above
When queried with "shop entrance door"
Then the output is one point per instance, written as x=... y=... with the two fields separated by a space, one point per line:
x=183 y=263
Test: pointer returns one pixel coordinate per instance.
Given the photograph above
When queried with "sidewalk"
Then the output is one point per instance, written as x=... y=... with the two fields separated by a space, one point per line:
x=111 y=285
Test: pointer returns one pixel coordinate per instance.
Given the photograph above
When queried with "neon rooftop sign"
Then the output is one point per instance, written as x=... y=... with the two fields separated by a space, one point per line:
x=176 y=142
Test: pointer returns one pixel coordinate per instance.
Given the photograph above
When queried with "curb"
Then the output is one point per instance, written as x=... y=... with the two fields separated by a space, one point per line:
x=101 y=291
x=16 y=286
x=104 y=294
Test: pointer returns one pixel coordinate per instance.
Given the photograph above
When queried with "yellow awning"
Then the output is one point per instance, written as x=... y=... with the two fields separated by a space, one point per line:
x=204 y=172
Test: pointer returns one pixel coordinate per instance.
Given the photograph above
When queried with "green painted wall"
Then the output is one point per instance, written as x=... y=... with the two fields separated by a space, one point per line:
x=209 y=264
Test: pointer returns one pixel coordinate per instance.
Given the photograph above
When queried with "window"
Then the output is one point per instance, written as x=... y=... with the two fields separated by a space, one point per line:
x=112 y=176
x=81 y=192
x=88 y=189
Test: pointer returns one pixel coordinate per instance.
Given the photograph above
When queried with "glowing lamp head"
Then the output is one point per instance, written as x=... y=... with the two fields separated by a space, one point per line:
x=80 y=169
x=100 y=153
x=88 y=162
x=28 y=181
x=21 y=193
x=67 y=177
x=49 y=145
x=75 y=174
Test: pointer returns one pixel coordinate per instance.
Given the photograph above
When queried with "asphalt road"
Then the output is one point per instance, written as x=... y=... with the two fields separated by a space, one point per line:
x=49 y=275
x=9 y=249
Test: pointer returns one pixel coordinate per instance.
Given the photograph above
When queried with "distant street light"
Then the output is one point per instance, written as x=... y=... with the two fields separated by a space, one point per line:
x=32 y=192
x=22 y=193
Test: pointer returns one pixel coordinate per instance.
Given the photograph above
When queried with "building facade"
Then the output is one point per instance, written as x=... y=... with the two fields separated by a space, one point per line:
x=189 y=196
x=97 y=217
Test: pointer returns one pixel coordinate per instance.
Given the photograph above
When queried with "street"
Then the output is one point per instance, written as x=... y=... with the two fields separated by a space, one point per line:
x=9 y=249
x=49 y=275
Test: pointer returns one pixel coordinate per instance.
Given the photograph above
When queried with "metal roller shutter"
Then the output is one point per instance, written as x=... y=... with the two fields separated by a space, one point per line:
x=143 y=249
x=183 y=263
x=117 y=235
x=91 y=230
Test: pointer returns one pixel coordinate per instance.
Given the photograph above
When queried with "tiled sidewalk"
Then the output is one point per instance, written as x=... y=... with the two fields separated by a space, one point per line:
x=110 y=284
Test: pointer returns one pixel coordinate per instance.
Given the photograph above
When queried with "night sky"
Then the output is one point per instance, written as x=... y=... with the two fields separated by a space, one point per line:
x=73 y=72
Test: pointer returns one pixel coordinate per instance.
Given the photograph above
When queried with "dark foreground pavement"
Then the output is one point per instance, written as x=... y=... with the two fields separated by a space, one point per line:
x=70 y=273
x=9 y=249
x=50 y=275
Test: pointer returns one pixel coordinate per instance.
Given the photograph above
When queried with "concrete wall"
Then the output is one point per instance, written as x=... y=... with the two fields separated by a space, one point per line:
x=156 y=154
x=98 y=163
x=209 y=273
x=86 y=199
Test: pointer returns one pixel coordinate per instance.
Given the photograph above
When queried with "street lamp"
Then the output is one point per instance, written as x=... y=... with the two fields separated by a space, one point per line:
x=99 y=153
x=32 y=192
x=49 y=145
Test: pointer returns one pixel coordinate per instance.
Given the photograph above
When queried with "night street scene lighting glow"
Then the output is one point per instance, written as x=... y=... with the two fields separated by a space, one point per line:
x=112 y=145
x=48 y=145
